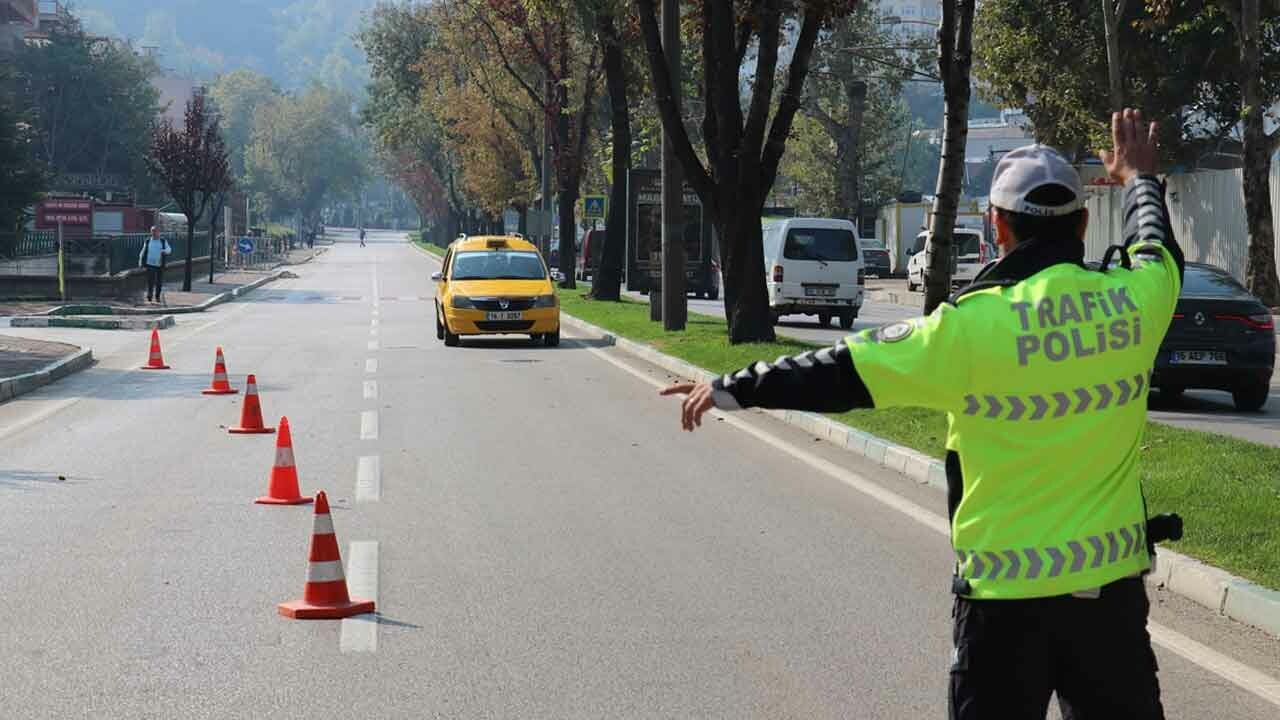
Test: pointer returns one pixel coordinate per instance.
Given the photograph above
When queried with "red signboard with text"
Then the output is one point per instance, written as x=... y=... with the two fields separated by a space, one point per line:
x=68 y=211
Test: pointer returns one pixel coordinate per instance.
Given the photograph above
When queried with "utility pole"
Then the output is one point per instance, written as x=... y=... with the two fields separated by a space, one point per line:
x=675 y=304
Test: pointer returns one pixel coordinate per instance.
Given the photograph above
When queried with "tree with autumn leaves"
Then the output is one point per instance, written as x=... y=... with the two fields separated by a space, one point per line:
x=192 y=165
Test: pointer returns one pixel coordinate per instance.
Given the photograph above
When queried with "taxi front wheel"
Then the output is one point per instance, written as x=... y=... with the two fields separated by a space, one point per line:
x=552 y=339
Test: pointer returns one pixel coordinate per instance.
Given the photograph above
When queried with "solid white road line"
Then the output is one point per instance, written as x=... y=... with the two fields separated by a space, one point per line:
x=371 y=365
x=1239 y=674
x=370 y=389
x=369 y=425
x=360 y=633
x=369 y=479
x=373 y=345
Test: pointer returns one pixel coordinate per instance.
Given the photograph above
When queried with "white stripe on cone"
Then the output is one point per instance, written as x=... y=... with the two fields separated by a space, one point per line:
x=323 y=525
x=251 y=389
x=284 y=457
x=324 y=571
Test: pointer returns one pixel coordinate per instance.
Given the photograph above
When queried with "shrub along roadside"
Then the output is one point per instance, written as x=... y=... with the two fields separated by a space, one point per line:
x=1227 y=490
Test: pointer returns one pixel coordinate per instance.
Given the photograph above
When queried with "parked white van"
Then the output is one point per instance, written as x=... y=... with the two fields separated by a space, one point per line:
x=814 y=267
x=972 y=254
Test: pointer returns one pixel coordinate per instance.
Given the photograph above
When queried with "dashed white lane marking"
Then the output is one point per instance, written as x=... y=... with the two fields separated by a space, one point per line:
x=373 y=344
x=371 y=365
x=373 y=322
x=360 y=633
x=373 y=332
x=370 y=389
x=369 y=479
x=1233 y=671
x=369 y=425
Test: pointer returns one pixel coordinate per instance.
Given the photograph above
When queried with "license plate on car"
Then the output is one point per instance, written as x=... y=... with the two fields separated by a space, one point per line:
x=1197 y=357
x=512 y=315
x=820 y=291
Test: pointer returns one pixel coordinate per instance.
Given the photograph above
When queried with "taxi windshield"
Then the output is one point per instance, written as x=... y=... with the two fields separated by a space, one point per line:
x=498 y=265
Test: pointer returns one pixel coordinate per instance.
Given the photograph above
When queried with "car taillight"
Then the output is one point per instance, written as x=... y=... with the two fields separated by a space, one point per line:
x=862 y=276
x=777 y=273
x=1254 y=322
x=984 y=253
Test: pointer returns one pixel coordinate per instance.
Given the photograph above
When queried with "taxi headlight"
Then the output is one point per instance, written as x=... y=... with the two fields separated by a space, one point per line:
x=544 y=301
x=462 y=301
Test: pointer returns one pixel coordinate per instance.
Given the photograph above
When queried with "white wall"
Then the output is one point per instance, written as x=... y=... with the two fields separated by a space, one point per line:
x=1207 y=211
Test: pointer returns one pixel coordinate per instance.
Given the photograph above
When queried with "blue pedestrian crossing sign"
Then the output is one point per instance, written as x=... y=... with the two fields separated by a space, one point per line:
x=593 y=207
x=245 y=245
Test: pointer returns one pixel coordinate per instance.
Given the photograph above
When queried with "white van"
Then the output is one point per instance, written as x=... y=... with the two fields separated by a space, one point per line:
x=973 y=252
x=813 y=266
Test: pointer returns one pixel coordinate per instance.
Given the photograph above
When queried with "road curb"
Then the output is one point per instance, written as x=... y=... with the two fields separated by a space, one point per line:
x=17 y=385
x=1214 y=588
x=94 y=323
x=218 y=299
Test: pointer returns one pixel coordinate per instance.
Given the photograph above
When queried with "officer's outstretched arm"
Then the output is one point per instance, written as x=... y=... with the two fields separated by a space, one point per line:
x=819 y=380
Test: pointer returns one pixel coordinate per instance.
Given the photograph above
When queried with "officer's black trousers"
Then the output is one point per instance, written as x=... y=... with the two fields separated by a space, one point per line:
x=1012 y=655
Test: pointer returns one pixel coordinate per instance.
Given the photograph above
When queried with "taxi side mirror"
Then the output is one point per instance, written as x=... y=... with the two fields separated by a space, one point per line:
x=436 y=277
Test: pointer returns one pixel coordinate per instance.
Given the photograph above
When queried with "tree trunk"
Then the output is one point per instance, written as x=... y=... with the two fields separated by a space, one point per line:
x=849 y=150
x=191 y=243
x=522 y=225
x=746 y=300
x=607 y=280
x=954 y=61
x=566 y=200
x=1260 y=269
x=1111 y=16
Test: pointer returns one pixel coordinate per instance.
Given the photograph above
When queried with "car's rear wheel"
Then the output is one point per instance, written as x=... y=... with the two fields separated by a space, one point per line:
x=552 y=339
x=450 y=339
x=824 y=319
x=713 y=294
x=911 y=287
x=774 y=317
x=1251 y=398
x=846 y=320
x=535 y=338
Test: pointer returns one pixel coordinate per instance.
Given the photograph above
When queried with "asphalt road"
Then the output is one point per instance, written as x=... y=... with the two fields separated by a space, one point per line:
x=548 y=545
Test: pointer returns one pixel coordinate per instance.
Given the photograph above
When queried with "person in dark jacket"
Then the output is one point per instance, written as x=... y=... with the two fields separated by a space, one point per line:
x=152 y=256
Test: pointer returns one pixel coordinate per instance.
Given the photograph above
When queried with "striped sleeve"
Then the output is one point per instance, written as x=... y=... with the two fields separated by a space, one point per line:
x=818 y=380
x=1147 y=229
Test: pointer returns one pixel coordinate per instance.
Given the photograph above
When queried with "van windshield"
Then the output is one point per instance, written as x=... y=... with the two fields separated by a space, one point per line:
x=966 y=243
x=823 y=245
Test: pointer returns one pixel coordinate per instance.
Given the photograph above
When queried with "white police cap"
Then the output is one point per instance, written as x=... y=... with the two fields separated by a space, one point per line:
x=1023 y=170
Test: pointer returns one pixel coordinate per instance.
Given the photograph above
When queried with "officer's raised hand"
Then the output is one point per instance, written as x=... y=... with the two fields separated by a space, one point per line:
x=1134 y=144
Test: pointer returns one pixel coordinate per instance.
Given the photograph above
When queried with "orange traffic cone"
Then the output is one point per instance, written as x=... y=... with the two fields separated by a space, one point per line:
x=282 y=489
x=324 y=596
x=251 y=413
x=220 y=385
x=156 y=361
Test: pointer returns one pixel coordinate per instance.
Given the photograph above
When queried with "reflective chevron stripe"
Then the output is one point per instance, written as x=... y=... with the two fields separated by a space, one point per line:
x=1102 y=396
x=1067 y=558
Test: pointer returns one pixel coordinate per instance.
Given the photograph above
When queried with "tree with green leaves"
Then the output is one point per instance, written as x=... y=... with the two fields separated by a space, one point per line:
x=1207 y=70
x=21 y=178
x=90 y=103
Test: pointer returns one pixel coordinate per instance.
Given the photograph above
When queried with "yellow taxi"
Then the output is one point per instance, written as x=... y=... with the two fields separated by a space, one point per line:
x=495 y=285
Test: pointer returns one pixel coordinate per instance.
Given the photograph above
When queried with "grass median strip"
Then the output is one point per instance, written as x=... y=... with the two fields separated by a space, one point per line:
x=1227 y=490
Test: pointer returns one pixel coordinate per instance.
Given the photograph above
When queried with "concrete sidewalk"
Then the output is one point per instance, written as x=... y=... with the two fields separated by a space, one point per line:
x=26 y=364
x=201 y=291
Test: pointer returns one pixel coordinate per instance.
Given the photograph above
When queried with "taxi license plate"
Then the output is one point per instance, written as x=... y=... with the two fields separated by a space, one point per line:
x=513 y=315
x=1198 y=357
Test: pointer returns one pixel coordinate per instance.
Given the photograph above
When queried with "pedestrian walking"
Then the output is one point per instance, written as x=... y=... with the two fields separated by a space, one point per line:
x=1043 y=366
x=151 y=257
x=362 y=237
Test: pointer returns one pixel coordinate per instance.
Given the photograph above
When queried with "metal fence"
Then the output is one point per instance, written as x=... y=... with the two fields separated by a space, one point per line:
x=27 y=244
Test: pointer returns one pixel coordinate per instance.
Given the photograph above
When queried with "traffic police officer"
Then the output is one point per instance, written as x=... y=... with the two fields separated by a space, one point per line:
x=1043 y=367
